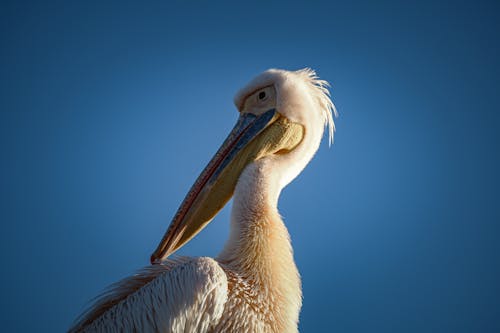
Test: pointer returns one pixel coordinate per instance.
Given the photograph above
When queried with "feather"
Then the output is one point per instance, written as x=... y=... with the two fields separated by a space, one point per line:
x=183 y=294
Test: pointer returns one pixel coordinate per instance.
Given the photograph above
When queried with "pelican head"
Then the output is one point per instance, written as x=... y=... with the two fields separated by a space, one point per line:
x=282 y=119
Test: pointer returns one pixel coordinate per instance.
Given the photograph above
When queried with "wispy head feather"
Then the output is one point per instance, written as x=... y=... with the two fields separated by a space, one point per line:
x=322 y=94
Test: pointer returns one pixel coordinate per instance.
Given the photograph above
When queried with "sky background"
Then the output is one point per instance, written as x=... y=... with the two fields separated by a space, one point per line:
x=109 y=111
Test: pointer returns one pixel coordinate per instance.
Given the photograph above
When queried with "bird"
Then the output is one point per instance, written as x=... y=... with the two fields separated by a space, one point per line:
x=253 y=285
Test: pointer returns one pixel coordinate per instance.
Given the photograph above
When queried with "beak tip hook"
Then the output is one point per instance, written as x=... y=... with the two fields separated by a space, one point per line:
x=154 y=261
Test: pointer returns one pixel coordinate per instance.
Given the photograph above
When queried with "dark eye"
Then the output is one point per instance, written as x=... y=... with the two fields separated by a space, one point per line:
x=262 y=95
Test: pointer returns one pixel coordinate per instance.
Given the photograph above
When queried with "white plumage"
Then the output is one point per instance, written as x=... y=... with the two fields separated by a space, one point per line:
x=253 y=285
x=151 y=301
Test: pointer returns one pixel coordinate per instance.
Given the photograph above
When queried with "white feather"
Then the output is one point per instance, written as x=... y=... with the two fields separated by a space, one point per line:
x=185 y=296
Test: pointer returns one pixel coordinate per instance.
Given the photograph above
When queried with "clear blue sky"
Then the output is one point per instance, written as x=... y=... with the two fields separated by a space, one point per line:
x=108 y=112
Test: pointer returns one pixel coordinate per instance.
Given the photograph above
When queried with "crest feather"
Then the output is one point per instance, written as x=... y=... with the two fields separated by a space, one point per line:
x=321 y=92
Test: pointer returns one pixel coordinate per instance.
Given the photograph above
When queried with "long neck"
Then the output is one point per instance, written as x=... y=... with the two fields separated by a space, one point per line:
x=257 y=230
x=259 y=248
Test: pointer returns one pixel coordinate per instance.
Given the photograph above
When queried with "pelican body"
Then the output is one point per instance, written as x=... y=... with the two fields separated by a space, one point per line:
x=253 y=285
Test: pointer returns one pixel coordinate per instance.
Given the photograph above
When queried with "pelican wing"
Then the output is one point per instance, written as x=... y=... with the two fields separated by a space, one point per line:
x=184 y=295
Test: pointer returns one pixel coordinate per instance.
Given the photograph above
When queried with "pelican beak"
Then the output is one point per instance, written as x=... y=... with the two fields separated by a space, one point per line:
x=252 y=138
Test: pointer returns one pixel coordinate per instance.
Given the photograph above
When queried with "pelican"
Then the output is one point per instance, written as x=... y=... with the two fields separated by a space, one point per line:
x=253 y=285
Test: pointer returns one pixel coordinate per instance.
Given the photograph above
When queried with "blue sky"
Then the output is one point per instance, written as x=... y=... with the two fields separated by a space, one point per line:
x=109 y=111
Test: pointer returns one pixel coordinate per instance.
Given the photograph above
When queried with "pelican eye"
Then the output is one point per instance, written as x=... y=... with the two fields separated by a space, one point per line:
x=262 y=95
